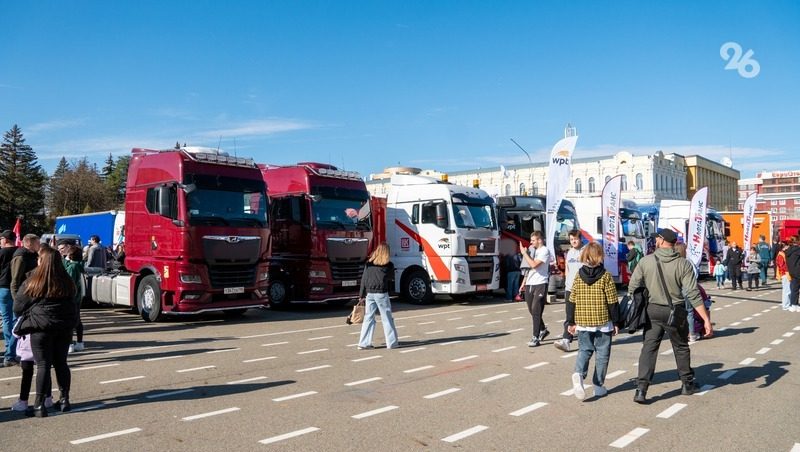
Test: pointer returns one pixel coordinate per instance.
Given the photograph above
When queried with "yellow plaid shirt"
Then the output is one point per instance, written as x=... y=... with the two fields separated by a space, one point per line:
x=591 y=302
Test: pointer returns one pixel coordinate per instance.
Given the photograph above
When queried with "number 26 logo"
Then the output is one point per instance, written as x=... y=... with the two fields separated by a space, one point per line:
x=744 y=64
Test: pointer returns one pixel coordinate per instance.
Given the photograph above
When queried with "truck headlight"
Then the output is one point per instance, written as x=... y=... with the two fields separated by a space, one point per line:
x=190 y=279
x=263 y=276
x=460 y=268
x=317 y=274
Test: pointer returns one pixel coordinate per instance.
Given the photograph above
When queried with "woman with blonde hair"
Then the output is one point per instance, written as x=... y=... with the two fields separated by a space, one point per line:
x=46 y=299
x=592 y=312
x=375 y=284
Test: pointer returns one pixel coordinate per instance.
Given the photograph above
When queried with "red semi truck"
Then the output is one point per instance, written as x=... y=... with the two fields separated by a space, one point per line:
x=786 y=229
x=196 y=235
x=321 y=232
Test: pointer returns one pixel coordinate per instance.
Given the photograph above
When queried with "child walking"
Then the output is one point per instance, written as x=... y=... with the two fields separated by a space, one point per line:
x=719 y=273
x=592 y=314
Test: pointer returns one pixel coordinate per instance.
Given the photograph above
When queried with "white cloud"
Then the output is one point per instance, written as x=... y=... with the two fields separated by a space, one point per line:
x=56 y=124
x=260 y=127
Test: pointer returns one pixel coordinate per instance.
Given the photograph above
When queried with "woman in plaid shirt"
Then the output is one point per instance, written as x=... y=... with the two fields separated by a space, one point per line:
x=592 y=313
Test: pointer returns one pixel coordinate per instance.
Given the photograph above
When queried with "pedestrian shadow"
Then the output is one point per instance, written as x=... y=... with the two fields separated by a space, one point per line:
x=154 y=397
x=670 y=376
x=116 y=350
x=768 y=373
x=728 y=331
x=445 y=340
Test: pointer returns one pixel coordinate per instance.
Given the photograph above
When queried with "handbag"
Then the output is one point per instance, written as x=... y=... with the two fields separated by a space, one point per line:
x=19 y=329
x=672 y=320
x=357 y=315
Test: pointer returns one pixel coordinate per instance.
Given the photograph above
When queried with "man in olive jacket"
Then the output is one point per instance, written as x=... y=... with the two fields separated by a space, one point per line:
x=680 y=279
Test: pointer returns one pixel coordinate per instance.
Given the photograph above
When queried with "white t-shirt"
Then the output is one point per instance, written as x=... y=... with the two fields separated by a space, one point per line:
x=539 y=274
x=573 y=265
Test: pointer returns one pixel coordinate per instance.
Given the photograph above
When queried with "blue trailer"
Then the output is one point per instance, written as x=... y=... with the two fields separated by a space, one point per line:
x=107 y=225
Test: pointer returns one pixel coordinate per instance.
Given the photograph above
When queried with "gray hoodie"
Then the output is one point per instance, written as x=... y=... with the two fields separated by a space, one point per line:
x=678 y=274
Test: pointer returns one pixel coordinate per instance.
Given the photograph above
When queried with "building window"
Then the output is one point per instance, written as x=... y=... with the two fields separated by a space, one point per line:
x=782 y=202
x=624 y=185
x=578 y=186
x=773 y=203
x=591 y=185
x=508 y=190
x=522 y=188
x=639 y=181
x=535 y=189
x=783 y=210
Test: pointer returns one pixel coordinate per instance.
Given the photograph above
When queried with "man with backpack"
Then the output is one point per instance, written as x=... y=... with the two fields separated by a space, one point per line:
x=667 y=277
x=793 y=267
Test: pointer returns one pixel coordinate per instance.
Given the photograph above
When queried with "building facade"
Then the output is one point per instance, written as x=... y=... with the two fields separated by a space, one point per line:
x=778 y=192
x=721 y=180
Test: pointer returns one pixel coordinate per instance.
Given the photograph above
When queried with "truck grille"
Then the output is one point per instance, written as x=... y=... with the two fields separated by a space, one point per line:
x=232 y=276
x=481 y=269
x=342 y=271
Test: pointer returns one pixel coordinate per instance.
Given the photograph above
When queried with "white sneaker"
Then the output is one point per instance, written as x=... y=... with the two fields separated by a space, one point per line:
x=577 y=386
x=19 y=405
x=600 y=391
x=78 y=347
x=71 y=349
x=562 y=344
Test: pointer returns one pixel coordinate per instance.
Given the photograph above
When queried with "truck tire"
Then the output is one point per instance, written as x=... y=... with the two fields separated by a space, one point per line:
x=278 y=293
x=148 y=299
x=416 y=288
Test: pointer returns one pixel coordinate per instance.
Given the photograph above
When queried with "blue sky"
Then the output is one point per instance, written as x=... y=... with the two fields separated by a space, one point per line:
x=432 y=84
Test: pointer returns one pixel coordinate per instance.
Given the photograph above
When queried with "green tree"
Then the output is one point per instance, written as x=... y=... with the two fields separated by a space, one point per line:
x=22 y=183
x=56 y=196
x=118 y=179
x=108 y=166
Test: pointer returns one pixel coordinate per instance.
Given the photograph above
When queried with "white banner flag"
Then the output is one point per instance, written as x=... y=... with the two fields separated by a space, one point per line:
x=696 y=235
x=747 y=222
x=612 y=200
x=558 y=177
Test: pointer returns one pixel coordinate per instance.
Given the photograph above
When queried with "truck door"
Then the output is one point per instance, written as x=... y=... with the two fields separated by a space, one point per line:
x=434 y=241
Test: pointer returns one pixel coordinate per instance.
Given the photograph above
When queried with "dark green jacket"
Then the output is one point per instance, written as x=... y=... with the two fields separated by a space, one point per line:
x=678 y=274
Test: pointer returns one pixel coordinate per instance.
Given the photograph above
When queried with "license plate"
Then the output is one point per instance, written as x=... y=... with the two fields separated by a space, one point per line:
x=350 y=283
x=232 y=290
x=481 y=287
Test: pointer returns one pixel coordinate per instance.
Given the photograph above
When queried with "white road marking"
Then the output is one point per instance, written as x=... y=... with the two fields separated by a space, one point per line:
x=354 y=333
x=756 y=314
x=666 y=414
x=223 y=350
x=366 y=359
x=789 y=334
x=501 y=312
x=309 y=369
x=210 y=413
x=374 y=412
x=75 y=369
x=289 y=435
x=451 y=342
x=736 y=323
x=796 y=448
x=275 y=343
x=417 y=369
x=666 y=352
x=457 y=360
x=11 y=378
x=461 y=435
x=747 y=319
x=493 y=322
x=161 y=358
x=454 y=318
x=139 y=349
x=747 y=361
x=412 y=350
x=361 y=382
x=402 y=337
x=569 y=355
x=427 y=323
x=168 y=393
x=568 y=393
x=441 y=393
x=480 y=315
x=504 y=349
x=736 y=302
x=313 y=351
x=105 y=435
x=259 y=359
x=727 y=374
x=776 y=342
x=118 y=380
x=797 y=328
x=630 y=437
x=434 y=332
x=353 y=345
x=767 y=310
x=534 y=366
x=704 y=389
x=465 y=327
x=727 y=306
x=319 y=338
x=194 y=368
x=493 y=378
x=294 y=396
x=528 y=409
x=517 y=318
x=614 y=374
x=246 y=380
x=763 y=350
x=515 y=330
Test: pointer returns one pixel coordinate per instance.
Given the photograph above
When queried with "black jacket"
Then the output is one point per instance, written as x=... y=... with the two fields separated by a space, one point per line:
x=45 y=314
x=6 y=254
x=734 y=258
x=793 y=261
x=376 y=279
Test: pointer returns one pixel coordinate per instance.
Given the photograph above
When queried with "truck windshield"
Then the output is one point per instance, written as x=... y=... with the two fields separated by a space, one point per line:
x=225 y=201
x=566 y=220
x=632 y=228
x=339 y=208
x=473 y=213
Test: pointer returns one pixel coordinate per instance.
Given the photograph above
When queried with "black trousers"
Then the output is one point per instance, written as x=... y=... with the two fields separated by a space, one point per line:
x=654 y=332
x=794 y=291
x=535 y=297
x=566 y=334
x=751 y=278
x=79 y=325
x=50 y=350
x=736 y=276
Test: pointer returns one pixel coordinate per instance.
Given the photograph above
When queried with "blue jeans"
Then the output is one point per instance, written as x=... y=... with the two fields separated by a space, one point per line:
x=512 y=285
x=785 y=290
x=720 y=280
x=690 y=316
x=7 y=311
x=378 y=302
x=590 y=342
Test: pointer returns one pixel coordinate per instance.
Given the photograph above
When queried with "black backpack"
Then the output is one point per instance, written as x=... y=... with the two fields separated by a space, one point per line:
x=633 y=310
x=793 y=262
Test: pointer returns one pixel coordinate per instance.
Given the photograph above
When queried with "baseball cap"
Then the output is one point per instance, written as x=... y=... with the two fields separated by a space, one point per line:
x=666 y=234
x=8 y=235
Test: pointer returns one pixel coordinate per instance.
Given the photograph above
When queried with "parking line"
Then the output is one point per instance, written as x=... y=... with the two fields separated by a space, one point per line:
x=776 y=342
x=11 y=378
x=514 y=330
x=294 y=396
x=756 y=314
x=374 y=412
x=789 y=334
x=796 y=448
x=630 y=437
x=454 y=318
x=517 y=318
x=161 y=358
x=452 y=342
x=747 y=361
x=534 y=366
x=480 y=315
x=504 y=349
x=666 y=414
x=366 y=359
x=313 y=351
x=289 y=435
x=763 y=350
x=457 y=360
x=194 y=368
x=274 y=343
x=167 y=394
x=441 y=393
x=736 y=323
x=461 y=435
x=319 y=338
x=223 y=350
x=122 y=379
x=614 y=374
x=569 y=355
x=747 y=319
x=426 y=323
x=493 y=322
x=209 y=414
x=309 y=369
x=465 y=327
x=246 y=380
x=797 y=328
x=75 y=369
x=493 y=378
x=417 y=369
x=106 y=435
x=411 y=350
x=666 y=352
x=528 y=409
x=727 y=374
x=259 y=359
x=704 y=389
x=434 y=332
x=361 y=382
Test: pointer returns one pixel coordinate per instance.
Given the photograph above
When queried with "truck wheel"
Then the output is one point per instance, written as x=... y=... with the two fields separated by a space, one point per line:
x=416 y=288
x=148 y=298
x=278 y=293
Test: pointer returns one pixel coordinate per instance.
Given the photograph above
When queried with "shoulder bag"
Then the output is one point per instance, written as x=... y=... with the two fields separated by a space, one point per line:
x=671 y=320
x=357 y=315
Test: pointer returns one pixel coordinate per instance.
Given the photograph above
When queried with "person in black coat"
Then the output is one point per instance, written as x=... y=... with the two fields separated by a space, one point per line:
x=733 y=261
x=375 y=285
x=46 y=299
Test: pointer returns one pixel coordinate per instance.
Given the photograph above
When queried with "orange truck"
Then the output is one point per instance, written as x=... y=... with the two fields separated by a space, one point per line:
x=734 y=226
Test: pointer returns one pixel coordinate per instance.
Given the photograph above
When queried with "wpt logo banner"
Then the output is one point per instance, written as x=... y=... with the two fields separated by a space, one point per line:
x=696 y=235
x=558 y=176
x=749 y=218
x=610 y=211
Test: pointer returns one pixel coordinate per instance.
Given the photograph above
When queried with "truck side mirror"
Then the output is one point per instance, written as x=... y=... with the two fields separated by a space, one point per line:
x=167 y=201
x=441 y=215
